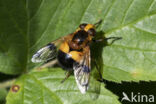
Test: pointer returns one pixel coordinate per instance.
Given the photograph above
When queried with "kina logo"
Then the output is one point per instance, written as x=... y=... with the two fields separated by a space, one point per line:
x=138 y=97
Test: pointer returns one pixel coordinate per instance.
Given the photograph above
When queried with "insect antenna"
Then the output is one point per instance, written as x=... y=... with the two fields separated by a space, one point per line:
x=98 y=23
x=114 y=39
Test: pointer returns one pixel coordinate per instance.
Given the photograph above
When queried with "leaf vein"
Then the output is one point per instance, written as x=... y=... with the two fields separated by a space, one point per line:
x=85 y=10
x=42 y=2
x=123 y=19
x=41 y=84
x=43 y=33
x=107 y=12
x=151 y=5
x=112 y=67
x=133 y=48
x=120 y=27
x=149 y=59
x=154 y=34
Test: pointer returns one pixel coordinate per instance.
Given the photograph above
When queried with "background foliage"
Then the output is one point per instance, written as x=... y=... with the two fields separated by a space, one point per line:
x=27 y=25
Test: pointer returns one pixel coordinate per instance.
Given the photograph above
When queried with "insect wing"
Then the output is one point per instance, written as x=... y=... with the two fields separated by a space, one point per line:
x=49 y=52
x=82 y=72
x=44 y=54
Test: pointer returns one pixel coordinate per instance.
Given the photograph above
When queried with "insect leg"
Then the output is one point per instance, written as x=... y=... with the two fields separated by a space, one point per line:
x=114 y=39
x=105 y=39
x=98 y=23
x=101 y=78
x=67 y=76
x=49 y=64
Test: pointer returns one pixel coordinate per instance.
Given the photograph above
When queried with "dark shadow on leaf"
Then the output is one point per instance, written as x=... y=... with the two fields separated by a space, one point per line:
x=97 y=60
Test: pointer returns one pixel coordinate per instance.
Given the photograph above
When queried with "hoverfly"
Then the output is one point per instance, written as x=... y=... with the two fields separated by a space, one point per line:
x=73 y=54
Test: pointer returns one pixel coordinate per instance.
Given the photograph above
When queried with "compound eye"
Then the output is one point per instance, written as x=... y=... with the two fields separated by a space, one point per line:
x=82 y=26
x=92 y=32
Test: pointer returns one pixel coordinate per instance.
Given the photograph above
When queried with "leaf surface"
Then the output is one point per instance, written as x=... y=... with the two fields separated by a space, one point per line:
x=28 y=25
x=46 y=88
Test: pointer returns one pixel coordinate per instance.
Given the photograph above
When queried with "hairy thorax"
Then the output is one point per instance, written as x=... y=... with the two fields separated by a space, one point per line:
x=79 y=40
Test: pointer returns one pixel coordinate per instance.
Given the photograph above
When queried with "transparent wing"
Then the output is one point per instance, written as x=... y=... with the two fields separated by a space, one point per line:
x=82 y=71
x=44 y=54
x=49 y=52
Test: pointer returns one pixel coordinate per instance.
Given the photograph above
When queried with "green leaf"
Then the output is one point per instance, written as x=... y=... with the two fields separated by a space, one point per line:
x=3 y=94
x=32 y=24
x=13 y=33
x=46 y=88
x=27 y=25
x=132 y=58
